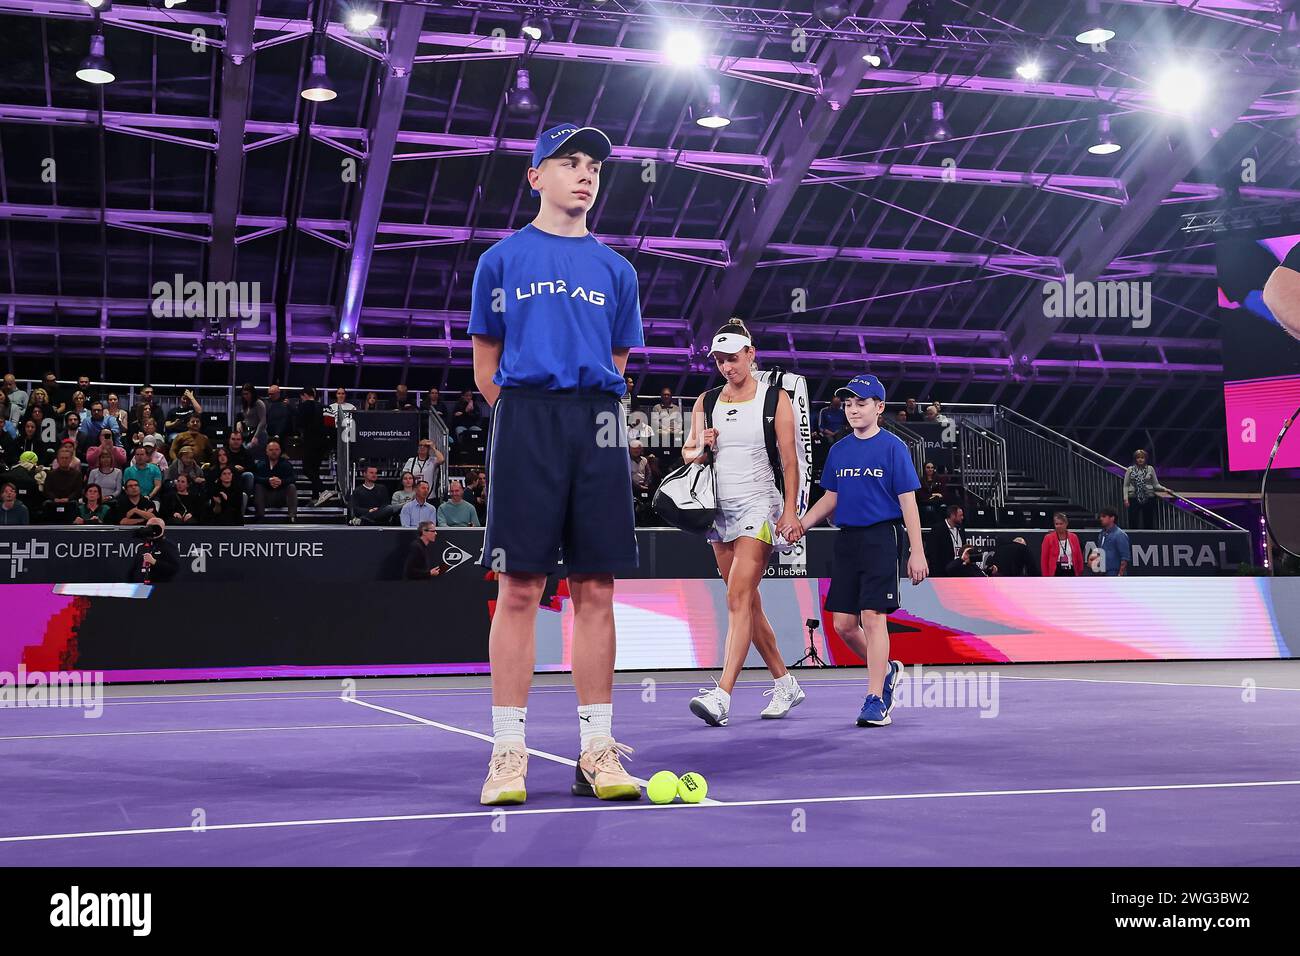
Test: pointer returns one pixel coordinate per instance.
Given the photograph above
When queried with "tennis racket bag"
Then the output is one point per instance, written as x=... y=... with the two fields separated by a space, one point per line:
x=796 y=386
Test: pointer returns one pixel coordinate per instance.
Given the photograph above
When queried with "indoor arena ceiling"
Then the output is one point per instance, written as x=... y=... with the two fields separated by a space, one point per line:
x=826 y=213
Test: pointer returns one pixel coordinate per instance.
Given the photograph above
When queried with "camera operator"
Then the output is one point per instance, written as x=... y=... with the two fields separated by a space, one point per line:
x=158 y=559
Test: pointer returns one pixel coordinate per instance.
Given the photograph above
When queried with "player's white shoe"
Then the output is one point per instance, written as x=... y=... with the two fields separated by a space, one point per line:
x=710 y=707
x=507 y=771
x=783 y=698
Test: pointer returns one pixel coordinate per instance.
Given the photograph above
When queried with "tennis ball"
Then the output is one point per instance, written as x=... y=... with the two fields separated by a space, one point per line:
x=662 y=787
x=692 y=787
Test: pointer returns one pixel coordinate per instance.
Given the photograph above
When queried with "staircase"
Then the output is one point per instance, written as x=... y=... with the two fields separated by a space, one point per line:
x=1011 y=471
x=1025 y=492
x=332 y=512
x=1056 y=473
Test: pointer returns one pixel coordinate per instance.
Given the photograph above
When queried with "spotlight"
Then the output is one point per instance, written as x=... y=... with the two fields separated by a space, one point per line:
x=937 y=130
x=536 y=28
x=711 y=115
x=1180 y=89
x=1094 y=29
x=1104 y=144
x=521 y=101
x=360 y=20
x=319 y=89
x=214 y=345
x=103 y=6
x=878 y=55
x=684 y=48
x=830 y=12
x=96 y=67
x=344 y=348
x=1029 y=70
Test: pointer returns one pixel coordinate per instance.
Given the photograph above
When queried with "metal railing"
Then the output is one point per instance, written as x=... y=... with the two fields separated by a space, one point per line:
x=437 y=432
x=211 y=398
x=983 y=463
x=224 y=398
x=914 y=442
x=346 y=462
x=345 y=474
x=1088 y=479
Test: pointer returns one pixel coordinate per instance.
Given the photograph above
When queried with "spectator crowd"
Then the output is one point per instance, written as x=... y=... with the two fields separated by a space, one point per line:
x=77 y=454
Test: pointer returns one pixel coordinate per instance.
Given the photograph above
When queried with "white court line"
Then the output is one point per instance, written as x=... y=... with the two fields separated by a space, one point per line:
x=548 y=689
x=565 y=689
x=1151 y=683
x=613 y=808
x=474 y=733
x=204 y=730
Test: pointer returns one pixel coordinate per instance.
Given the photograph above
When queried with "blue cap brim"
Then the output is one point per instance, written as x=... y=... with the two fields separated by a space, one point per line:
x=588 y=139
x=844 y=392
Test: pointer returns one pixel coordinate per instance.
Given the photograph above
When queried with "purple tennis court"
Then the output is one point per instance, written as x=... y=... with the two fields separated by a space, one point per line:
x=1091 y=765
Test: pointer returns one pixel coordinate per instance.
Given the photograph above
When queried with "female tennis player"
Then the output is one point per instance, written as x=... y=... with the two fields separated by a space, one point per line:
x=754 y=509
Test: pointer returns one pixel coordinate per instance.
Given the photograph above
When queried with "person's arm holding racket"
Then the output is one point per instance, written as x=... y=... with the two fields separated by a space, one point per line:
x=1282 y=292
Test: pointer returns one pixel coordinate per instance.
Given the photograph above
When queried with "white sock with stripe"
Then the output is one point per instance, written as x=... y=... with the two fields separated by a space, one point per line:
x=594 y=720
x=508 y=727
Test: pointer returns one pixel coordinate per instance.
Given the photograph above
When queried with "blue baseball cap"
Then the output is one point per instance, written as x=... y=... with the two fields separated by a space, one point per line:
x=586 y=138
x=864 y=386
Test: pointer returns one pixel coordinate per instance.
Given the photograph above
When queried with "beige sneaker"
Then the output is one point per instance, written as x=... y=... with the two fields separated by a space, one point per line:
x=505 y=780
x=600 y=773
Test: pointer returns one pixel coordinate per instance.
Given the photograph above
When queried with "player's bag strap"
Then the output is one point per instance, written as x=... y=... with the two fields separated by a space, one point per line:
x=770 y=399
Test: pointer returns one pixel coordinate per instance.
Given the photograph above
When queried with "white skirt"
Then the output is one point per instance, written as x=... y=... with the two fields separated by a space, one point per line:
x=751 y=517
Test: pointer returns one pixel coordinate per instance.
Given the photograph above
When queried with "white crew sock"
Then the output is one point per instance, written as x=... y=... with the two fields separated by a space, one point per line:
x=508 y=727
x=594 y=720
x=787 y=681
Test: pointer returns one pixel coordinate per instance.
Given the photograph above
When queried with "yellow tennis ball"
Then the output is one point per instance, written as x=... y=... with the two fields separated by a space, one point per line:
x=662 y=787
x=692 y=787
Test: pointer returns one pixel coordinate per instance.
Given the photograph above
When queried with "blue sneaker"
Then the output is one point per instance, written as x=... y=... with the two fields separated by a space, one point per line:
x=891 y=681
x=873 y=713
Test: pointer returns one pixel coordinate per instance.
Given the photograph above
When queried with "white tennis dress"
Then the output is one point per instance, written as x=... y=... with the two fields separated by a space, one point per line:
x=749 y=504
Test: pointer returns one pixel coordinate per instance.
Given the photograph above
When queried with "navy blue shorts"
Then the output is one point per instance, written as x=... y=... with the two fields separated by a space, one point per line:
x=559 y=484
x=864 y=570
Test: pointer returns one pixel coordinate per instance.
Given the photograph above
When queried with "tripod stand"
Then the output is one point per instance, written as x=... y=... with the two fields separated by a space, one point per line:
x=811 y=658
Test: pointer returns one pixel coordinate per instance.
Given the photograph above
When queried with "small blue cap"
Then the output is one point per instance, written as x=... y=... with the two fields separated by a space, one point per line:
x=864 y=386
x=586 y=138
